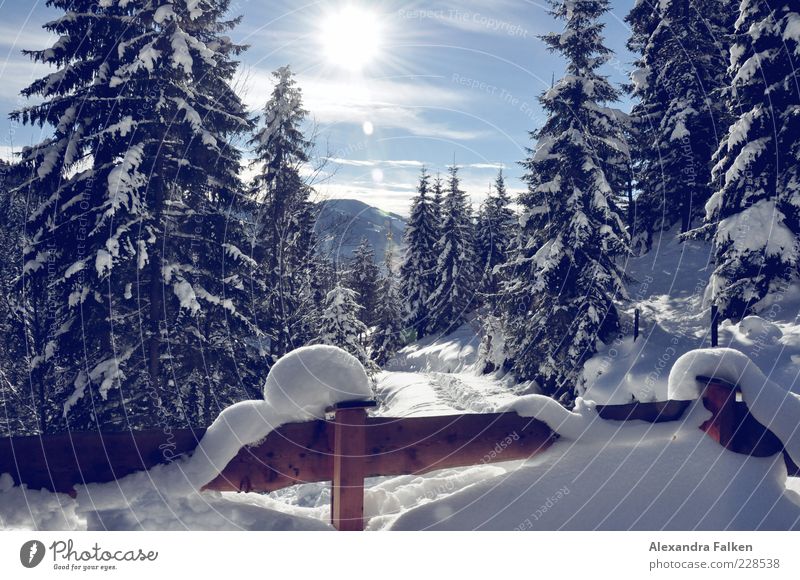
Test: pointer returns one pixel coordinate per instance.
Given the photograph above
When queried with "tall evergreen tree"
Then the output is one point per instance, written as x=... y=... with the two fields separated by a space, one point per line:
x=438 y=202
x=364 y=277
x=495 y=235
x=132 y=240
x=18 y=404
x=387 y=337
x=417 y=274
x=559 y=299
x=455 y=293
x=681 y=115
x=284 y=239
x=756 y=209
x=340 y=325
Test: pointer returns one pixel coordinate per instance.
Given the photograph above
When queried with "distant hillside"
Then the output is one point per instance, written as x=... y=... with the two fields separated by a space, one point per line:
x=343 y=223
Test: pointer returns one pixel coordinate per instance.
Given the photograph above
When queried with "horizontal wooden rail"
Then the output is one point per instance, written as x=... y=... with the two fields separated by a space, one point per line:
x=304 y=452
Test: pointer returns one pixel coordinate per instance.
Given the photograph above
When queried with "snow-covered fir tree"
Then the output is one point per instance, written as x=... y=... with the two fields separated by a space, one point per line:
x=387 y=337
x=438 y=201
x=681 y=114
x=563 y=282
x=418 y=271
x=756 y=209
x=363 y=276
x=339 y=325
x=19 y=406
x=132 y=234
x=496 y=230
x=283 y=236
x=455 y=293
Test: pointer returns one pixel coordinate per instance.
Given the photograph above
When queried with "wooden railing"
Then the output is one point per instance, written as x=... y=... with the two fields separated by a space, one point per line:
x=352 y=445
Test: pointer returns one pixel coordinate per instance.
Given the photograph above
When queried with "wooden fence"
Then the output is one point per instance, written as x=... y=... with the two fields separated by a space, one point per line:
x=352 y=446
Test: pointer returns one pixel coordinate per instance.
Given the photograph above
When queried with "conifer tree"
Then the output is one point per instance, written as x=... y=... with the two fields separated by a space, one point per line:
x=681 y=115
x=387 y=337
x=559 y=299
x=756 y=210
x=455 y=292
x=495 y=234
x=340 y=325
x=132 y=245
x=363 y=277
x=417 y=274
x=283 y=238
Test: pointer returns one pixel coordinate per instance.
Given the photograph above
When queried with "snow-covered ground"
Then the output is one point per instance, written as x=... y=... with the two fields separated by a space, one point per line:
x=598 y=475
x=668 y=287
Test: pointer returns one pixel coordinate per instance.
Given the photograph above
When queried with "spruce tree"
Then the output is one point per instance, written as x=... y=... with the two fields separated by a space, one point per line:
x=387 y=338
x=340 y=325
x=438 y=201
x=18 y=402
x=132 y=239
x=559 y=298
x=495 y=234
x=756 y=209
x=283 y=238
x=681 y=115
x=363 y=277
x=455 y=293
x=417 y=274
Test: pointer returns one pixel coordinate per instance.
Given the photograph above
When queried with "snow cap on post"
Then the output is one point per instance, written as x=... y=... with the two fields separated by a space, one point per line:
x=312 y=378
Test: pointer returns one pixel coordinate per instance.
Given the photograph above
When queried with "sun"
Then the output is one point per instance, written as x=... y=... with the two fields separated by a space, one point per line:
x=351 y=37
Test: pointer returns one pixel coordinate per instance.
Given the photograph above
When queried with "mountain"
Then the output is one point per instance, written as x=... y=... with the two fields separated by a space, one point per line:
x=343 y=223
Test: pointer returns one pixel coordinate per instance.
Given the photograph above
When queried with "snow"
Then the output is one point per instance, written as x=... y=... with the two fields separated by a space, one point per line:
x=103 y=262
x=640 y=78
x=181 y=58
x=760 y=228
x=454 y=352
x=757 y=328
x=186 y=296
x=624 y=476
x=792 y=30
x=772 y=405
x=310 y=379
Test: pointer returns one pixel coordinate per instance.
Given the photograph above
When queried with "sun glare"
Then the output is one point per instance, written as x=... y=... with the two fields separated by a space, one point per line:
x=351 y=37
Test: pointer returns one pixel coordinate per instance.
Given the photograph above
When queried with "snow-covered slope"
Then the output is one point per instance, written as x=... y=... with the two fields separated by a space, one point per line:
x=342 y=224
x=668 y=288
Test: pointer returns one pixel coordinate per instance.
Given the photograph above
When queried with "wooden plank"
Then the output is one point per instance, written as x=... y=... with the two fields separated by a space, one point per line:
x=303 y=452
x=421 y=444
x=59 y=462
x=654 y=412
x=347 y=493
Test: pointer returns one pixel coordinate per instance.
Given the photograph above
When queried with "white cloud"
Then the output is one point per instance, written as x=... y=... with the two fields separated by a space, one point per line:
x=493 y=166
x=384 y=102
x=25 y=37
x=375 y=162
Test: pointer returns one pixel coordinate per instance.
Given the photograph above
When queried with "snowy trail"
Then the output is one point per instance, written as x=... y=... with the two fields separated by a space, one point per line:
x=406 y=394
x=471 y=393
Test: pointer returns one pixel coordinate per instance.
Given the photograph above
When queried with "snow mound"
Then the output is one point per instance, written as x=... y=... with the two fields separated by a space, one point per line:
x=560 y=420
x=756 y=328
x=770 y=404
x=306 y=381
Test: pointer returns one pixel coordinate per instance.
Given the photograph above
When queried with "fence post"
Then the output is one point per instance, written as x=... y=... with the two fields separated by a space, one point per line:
x=714 y=326
x=349 y=438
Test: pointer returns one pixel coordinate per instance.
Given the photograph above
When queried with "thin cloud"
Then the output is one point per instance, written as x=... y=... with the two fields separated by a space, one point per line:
x=375 y=162
x=386 y=103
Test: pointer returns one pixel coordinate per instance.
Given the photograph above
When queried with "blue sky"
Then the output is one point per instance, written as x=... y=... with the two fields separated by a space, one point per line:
x=450 y=79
